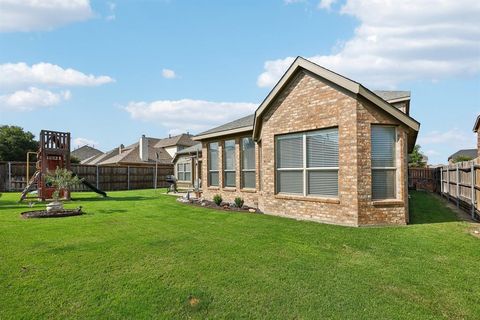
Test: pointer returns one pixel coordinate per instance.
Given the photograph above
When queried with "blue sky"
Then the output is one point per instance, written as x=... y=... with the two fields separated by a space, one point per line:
x=109 y=71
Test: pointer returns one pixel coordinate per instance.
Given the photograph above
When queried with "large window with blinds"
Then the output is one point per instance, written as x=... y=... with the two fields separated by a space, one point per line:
x=384 y=170
x=229 y=163
x=213 y=164
x=307 y=163
x=248 y=162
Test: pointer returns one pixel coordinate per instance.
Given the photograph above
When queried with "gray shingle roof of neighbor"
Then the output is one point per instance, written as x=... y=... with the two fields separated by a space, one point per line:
x=194 y=148
x=85 y=152
x=392 y=95
x=244 y=122
x=180 y=140
x=471 y=153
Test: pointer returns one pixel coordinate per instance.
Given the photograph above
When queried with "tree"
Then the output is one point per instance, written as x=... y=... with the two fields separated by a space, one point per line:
x=416 y=159
x=15 y=143
x=62 y=180
x=74 y=159
x=461 y=158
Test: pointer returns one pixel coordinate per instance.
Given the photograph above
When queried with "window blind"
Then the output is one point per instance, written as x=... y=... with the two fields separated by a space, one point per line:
x=318 y=164
x=383 y=140
x=213 y=164
x=229 y=163
x=248 y=163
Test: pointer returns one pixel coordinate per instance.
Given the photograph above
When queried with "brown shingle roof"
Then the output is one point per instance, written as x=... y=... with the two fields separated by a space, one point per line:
x=85 y=152
x=180 y=140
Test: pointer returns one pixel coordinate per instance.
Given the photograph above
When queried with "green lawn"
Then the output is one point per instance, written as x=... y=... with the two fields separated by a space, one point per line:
x=143 y=255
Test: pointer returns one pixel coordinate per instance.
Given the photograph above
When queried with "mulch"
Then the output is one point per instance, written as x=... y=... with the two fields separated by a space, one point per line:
x=57 y=214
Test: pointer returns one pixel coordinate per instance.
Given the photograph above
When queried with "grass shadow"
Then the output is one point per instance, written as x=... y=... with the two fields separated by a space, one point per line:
x=425 y=208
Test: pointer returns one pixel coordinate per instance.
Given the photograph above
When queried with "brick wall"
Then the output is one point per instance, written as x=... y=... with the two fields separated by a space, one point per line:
x=309 y=104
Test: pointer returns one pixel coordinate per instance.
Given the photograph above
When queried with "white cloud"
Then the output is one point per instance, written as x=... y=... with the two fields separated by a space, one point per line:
x=326 y=4
x=111 y=9
x=189 y=115
x=399 y=41
x=80 y=142
x=33 y=98
x=168 y=74
x=39 y=15
x=454 y=137
x=21 y=74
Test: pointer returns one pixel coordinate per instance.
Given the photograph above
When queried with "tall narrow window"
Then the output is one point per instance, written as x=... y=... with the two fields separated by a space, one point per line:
x=307 y=163
x=213 y=164
x=188 y=171
x=229 y=163
x=383 y=162
x=180 y=172
x=248 y=163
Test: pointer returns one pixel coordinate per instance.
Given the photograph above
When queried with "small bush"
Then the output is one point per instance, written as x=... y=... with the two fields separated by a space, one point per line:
x=239 y=202
x=217 y=199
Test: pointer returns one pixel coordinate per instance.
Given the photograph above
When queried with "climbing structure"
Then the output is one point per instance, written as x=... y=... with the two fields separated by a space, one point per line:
x=53 y=152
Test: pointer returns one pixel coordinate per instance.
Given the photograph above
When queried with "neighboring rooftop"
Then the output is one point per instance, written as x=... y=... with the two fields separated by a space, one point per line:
x=245 y=123
x=85 y=152
x=190 y=150
x=391 y=96
x=184 y=139
x=470 y=153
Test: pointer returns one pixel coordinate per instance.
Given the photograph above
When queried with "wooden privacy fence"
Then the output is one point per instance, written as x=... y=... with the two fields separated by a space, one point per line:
x=460 y=183
x=13 y=176
x=424 y=178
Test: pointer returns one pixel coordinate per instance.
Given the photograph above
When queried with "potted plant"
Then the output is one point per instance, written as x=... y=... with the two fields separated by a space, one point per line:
x=62 y=180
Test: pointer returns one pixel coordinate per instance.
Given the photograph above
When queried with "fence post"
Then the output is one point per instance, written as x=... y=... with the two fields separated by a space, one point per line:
x=441 y=181
x=457 y=191
x=9 y=176
x=97 y=178
x=473 y=184
x=448 y=182
x=128 y=177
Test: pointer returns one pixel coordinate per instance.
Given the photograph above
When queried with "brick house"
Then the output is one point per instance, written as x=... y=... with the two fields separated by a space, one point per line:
x=187 y=167
x=476 y=129
x=319 y=147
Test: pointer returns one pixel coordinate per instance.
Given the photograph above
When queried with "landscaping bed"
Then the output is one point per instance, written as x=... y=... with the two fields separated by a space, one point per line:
x=51 y=214
x=226 y=206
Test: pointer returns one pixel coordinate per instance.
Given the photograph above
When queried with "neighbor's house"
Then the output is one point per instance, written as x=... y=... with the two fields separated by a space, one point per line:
x=85 y=152
x=464 y=154
x=319 y=147
x=187 y=165
x=146 y=152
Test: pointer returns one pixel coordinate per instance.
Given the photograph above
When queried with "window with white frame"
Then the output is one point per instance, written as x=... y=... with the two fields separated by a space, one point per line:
x=307 y=163
x=213 y=164
x=248 y=163
x=229 y=163
x=384 y=169
x=184 y=172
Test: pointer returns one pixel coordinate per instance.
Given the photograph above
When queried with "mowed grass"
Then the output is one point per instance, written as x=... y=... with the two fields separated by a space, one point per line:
x=140 y=254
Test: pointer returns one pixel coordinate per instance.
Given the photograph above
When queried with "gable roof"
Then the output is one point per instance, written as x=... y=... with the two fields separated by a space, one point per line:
x=243 y=124
x=183 y=139
x=349 y=85
x=471 y=153
x=477 y=124
x=393 y=96
x=85 y=152
x=190 y=150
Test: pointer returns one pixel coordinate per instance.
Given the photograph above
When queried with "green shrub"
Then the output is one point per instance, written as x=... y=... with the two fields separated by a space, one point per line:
x=217 y=199
x=239 y=202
